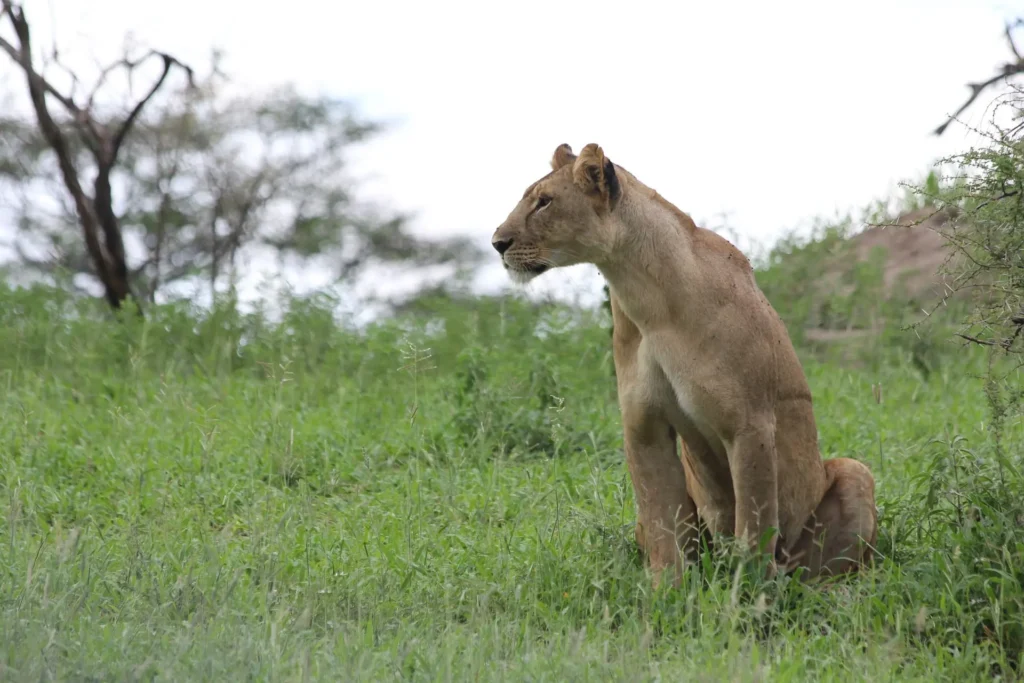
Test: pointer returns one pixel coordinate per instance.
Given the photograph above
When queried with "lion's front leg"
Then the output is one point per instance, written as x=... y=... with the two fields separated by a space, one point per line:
x=667 y=517
x=753 y=462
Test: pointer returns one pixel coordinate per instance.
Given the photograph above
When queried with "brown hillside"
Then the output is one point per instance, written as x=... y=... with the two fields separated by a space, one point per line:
x=916 y=252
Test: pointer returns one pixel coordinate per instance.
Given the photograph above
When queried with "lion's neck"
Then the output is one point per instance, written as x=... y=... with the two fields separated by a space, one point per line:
x=653 y=263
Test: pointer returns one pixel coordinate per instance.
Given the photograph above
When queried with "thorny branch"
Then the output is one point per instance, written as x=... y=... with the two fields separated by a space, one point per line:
x=1005 y=71
x=1005 y=344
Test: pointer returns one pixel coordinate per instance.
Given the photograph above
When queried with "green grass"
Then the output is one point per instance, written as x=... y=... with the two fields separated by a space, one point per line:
x=221 y=498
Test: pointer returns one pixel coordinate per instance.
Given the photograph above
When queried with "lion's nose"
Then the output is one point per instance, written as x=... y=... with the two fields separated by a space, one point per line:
x=501 y=246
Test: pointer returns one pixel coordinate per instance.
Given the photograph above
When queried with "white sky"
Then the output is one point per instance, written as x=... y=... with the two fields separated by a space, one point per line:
x=769 y=113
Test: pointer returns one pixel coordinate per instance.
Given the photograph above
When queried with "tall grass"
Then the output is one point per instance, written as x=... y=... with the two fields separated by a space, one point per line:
x=442 y=496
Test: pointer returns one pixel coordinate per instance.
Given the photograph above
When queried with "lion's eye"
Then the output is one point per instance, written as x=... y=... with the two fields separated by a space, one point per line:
x=543 y=201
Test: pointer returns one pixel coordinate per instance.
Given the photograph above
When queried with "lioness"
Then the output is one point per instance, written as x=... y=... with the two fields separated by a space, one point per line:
x=699 y=353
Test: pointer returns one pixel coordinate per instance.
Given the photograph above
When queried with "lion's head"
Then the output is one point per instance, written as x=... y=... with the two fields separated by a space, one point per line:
x=564 y=218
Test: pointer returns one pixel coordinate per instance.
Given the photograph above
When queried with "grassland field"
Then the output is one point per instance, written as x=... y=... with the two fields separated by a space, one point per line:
x=443 y=496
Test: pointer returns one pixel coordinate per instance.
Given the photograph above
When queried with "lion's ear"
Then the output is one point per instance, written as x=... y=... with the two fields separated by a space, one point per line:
x=595 y=174
x=562 y=157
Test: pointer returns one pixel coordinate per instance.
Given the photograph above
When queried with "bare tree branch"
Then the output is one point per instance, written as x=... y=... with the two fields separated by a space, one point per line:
x=15 y=54
x=126 y=126
x=38 y=88
x=95 y=213
x=1009 y=38
x=1005 y=71
x=980 y=342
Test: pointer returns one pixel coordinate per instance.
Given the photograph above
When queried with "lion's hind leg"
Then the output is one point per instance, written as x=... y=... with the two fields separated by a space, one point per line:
x=841 y=534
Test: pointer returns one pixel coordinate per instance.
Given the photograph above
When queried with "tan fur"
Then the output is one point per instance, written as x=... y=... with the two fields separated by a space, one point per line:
x=701 y=355
x=563 y=155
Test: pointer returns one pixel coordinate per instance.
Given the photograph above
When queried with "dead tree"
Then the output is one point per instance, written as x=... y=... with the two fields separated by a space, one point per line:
x=103 y=140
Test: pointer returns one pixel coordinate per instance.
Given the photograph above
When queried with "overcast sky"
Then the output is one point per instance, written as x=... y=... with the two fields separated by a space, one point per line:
x=768 y=113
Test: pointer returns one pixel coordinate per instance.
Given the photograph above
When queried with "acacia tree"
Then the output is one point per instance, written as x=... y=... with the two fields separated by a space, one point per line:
x=986 y=199
x=102 y=140
x=206 y=174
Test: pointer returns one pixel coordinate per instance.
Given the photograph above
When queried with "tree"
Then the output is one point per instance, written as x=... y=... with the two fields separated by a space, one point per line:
x=985 y=202
x=205 y=174
x=985 y=199
x=103 y=140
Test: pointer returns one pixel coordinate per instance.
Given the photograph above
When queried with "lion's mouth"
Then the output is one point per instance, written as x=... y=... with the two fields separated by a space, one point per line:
x=532 y=268
x=524 y=272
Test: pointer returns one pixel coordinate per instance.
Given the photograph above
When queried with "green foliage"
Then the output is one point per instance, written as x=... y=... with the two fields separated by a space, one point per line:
x=791 y=275
x=205 y=495
x=822 y=283
x=983 y=191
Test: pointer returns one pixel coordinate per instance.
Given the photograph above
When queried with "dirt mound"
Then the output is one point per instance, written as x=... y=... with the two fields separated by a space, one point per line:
x=915 y=253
